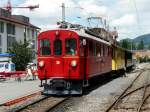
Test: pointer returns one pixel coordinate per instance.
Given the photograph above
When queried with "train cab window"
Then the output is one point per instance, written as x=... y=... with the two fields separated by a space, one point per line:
x=45 y=47
x=57 y=47
x=70 y=46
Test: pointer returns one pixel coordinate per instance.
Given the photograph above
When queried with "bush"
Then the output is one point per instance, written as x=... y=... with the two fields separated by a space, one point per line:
x=23 y=54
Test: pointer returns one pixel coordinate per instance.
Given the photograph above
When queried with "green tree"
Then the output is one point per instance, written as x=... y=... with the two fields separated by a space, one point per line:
x=133 y=45
x=125 y=44
x=23 y=54
x=141 y=45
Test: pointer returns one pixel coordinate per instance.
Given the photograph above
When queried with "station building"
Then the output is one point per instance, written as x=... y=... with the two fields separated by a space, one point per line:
x=16 y=28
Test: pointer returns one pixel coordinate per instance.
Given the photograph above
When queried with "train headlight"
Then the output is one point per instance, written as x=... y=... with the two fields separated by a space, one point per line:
x=41 y=63
x=73 y=63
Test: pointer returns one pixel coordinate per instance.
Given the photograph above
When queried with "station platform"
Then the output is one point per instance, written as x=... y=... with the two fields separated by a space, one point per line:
x=11 y=89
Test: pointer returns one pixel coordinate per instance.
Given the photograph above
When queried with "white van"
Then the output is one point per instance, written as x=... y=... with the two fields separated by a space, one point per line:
x=7 y=67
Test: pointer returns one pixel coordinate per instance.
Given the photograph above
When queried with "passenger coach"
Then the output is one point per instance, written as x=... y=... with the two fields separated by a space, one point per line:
x=68 y=59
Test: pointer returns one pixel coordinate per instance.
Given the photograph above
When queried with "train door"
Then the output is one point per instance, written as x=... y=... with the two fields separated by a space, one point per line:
x=83 y=55
x=57 y=64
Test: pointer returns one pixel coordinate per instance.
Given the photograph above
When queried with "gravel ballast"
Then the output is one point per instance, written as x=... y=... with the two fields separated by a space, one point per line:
x=99 y=99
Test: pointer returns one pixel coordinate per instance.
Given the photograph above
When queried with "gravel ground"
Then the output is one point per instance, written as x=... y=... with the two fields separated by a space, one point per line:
x=11 y=89
x=97 y=100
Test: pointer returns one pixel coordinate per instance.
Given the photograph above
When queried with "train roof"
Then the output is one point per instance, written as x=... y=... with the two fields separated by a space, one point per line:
x=84 y=33
x=122 y=48
x=88 y=34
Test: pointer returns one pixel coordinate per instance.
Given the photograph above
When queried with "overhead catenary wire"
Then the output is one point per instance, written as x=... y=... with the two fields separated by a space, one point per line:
x=137 y=15
x=100 y=20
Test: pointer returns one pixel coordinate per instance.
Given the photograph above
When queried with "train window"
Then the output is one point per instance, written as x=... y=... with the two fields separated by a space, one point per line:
x=98 y=50
x=104 y=50
x=90 y=48
x=106 y=53
x=57 y=47
x=12 y=67
x=81 y=47
x=6 y=66
x=71 y=46
x=108 y=50
x=45 y=47
x=101 y=49
x=94 y=49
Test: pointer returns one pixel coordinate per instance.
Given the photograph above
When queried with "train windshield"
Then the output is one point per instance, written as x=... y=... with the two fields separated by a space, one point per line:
x=57 y=47
x=70 y=46
x=45 y=47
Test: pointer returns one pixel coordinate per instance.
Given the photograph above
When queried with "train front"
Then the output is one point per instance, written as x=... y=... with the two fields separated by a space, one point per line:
x=58 y=62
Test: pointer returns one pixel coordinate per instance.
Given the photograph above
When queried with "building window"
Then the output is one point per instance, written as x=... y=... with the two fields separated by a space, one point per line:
x=10 y=41
x=1 y=27
x=11 y=29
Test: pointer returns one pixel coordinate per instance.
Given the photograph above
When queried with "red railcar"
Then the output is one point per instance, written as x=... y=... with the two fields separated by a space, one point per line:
x=67 y=59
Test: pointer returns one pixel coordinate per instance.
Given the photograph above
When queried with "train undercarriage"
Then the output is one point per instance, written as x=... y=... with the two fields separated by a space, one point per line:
x=62 y=87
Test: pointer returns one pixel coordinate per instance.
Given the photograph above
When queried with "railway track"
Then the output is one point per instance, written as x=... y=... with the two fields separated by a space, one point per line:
x=45 y=104
x=135 y=97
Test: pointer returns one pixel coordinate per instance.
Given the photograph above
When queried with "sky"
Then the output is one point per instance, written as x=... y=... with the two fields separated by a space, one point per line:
x=130 y=17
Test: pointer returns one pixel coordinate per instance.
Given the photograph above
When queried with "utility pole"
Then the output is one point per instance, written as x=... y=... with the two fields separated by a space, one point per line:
x=63 y=12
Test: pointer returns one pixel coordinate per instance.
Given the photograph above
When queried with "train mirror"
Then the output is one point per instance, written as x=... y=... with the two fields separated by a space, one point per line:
x=84 y=41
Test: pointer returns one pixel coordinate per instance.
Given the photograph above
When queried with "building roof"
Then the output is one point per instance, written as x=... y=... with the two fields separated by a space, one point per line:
x=18 y=19
x=18 y=22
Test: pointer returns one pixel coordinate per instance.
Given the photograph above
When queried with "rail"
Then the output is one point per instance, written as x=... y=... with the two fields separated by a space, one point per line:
x=125 y=93
x=45 y=104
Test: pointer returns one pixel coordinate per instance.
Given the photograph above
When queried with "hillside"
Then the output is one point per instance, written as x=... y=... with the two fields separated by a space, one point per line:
x=145 y=38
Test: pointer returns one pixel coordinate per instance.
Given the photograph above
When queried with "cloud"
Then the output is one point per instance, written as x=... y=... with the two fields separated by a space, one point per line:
x=48 y=27
x=91 y=8
x=126 y=20
x=119 y=13
x=50 y=11
x=46 y=16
